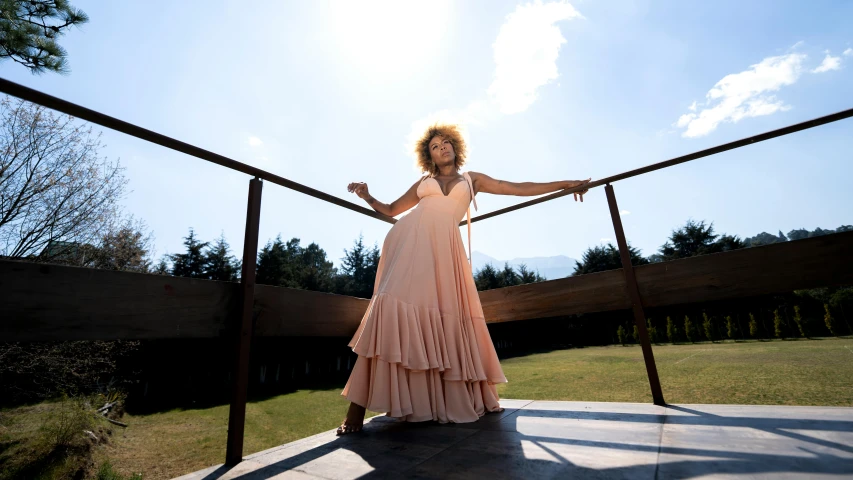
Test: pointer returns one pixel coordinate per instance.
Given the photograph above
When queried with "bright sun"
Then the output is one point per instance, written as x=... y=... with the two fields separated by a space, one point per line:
x=388 y=38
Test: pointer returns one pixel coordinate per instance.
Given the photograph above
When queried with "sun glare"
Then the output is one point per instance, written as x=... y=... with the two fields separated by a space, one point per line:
x=386 y=38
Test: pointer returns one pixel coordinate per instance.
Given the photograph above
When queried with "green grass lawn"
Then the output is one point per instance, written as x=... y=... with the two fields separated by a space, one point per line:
x=805 y=372
x=176 y=442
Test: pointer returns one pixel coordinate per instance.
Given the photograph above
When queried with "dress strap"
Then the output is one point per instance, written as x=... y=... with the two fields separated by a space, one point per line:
x=470 y=189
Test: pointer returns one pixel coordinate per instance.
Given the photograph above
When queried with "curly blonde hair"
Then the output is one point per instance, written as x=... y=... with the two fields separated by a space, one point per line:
x=449 y=131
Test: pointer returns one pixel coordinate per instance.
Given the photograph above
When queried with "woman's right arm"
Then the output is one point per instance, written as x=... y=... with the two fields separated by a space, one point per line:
x=402 y=204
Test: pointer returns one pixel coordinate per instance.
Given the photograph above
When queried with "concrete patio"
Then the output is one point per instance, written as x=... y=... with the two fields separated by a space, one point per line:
x=545 y=439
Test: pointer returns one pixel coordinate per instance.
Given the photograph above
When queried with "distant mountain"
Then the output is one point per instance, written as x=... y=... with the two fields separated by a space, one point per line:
x=558 y=266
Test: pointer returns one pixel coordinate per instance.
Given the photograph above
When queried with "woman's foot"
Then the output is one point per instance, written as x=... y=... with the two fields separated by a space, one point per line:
x=353 y=422
x=497 y=410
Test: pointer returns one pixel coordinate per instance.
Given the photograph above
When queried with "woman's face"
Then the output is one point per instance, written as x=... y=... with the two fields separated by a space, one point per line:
x=441 y=151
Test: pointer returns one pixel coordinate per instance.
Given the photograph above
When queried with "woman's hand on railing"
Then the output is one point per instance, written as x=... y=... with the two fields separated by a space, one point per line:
x=360 y=189
x=577 y=183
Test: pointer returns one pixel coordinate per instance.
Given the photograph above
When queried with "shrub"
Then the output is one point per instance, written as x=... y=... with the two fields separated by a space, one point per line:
x=65 y=424
x=636 y=334
x=730 y=327
x=777 y=324
x=688 y=329
x=653 y=333
x=670 y=330
x=620 y=332
x=706 y=325
x=753 y=326
x=798 y=319
x=830 y=322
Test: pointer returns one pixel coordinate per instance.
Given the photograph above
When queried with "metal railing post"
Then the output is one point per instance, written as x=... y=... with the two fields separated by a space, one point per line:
x=634 y=295
x=243 y=340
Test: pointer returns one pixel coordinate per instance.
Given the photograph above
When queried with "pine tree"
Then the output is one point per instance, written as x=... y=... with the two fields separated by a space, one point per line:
x=190 y=264
x=828 y=320
x=162 y=267
x=753 y=326
x=730 y=327
x=777 y=324
x=279 y=264
x=688 y=329
x=798 y=319
x=527 y=276
x=606 y=257
x=620 y=332
x=359 y=265
x=219 y=264
x=487 y=278
x=670 y=330
x=507 y=277
x=706 y=324
x=318 y=273
x=29 y=30
x=688 y=241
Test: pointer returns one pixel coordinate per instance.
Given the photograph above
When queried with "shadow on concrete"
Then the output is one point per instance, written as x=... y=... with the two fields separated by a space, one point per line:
x=583 y=440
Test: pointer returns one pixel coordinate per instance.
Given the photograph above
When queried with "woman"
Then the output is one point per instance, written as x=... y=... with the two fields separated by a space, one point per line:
x=424 y=352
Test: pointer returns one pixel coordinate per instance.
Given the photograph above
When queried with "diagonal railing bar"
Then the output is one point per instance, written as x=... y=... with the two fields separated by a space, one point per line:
x=816 y=122
x=45 y=100
x=34 y=96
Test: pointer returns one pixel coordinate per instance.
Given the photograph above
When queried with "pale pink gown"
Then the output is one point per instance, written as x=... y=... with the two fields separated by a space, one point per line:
x=424 y=352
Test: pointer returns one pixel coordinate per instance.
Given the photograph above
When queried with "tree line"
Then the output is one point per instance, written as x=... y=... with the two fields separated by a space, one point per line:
x=279 y=263
x=692 y=239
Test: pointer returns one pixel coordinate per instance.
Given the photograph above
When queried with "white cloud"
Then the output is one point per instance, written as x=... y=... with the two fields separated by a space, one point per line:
x=526 y=51
x=624 y=212
x=848 y=52
x=692 y=106
x=745 y=94
x=797 y=45
x=255 y=141
x=829 y=63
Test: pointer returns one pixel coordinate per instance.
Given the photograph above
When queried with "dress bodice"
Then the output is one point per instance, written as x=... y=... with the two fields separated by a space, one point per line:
x=456 y=202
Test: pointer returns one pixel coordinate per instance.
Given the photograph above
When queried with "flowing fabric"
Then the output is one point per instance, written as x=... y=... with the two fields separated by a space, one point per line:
x=424 y=352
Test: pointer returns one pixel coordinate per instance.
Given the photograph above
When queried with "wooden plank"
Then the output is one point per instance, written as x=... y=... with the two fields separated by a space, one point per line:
x=777 y=268
x=293 y=312
x=781 y=267
x=594 y=292
x=42 y=302
x=49 y=302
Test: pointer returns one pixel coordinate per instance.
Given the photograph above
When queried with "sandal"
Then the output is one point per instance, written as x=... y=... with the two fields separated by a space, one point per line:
x=499 y=410
x=345 y=429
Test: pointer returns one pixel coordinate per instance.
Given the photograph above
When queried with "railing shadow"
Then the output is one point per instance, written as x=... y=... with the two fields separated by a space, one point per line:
x=544 y=443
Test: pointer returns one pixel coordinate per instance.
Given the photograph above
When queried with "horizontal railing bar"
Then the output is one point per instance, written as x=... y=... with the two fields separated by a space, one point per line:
x=816 y=122
x=92 y=116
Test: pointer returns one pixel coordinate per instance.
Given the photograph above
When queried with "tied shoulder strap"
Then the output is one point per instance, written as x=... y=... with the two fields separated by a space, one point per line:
x=470 y=189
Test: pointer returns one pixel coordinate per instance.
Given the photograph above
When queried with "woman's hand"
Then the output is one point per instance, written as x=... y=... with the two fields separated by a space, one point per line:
x=577 y=183
x=360 y=189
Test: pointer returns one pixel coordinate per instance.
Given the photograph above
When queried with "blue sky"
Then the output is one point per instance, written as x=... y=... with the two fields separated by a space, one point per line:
x=326 y=93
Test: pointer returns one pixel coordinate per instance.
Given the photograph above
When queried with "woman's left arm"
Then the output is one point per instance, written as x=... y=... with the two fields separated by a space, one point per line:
x=487 y=184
